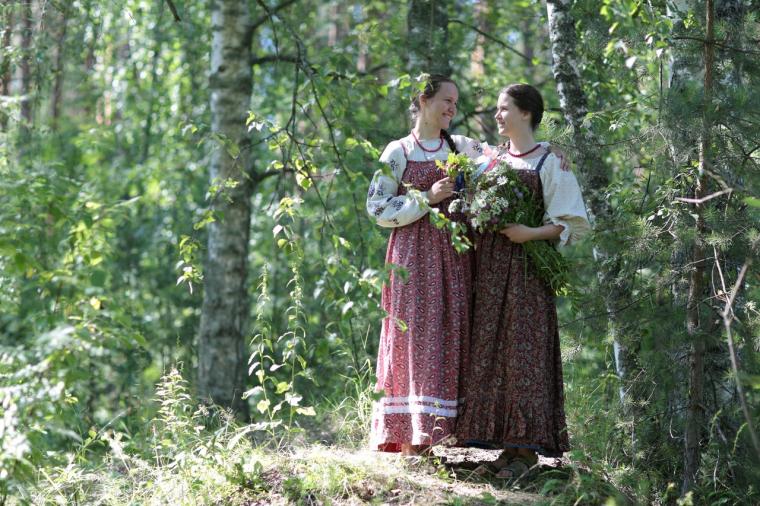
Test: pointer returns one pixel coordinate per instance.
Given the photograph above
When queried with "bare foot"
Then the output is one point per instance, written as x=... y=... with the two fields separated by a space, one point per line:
x=408 y=450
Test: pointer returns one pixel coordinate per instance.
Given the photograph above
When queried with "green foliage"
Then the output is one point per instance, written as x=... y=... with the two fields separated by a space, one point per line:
x=35 y=404
x=278 y=362
x=104 y=214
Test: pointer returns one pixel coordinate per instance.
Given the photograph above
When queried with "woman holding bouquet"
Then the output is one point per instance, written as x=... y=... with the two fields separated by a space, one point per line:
x=428 y=308
x=513 y=386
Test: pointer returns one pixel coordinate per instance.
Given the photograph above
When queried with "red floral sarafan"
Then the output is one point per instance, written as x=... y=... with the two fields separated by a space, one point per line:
x=512 y=389
x=420 y=354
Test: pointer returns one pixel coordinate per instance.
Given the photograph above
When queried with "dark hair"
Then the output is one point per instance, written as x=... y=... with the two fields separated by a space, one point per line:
x=433 y=83
x=528 y=99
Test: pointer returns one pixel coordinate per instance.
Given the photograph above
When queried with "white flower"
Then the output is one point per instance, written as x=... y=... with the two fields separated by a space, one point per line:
x=458 y=206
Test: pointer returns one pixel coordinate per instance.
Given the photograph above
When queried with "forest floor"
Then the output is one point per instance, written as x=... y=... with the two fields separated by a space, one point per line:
x=226 y=467
x=331 y=475
x=321 y=463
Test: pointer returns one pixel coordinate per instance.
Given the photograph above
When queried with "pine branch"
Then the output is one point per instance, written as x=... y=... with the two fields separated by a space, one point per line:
x=270 y=12
x=705 y=198
x=728 y=319
x=493 y=39
x=272 y=58
x=173 y=8
x=716 y=43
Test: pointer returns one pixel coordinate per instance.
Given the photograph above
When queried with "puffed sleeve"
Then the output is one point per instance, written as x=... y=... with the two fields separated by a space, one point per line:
x=383 y=202
x=563 y=201
x=470 y=147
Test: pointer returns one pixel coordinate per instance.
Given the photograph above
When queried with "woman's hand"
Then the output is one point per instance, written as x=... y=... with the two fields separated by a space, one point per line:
x=519 y=233
x=564 y=162
x=522 y=233
x=441 y=190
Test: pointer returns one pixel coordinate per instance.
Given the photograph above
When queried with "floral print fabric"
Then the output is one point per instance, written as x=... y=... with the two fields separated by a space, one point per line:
x=427 y=327
x=512 y=388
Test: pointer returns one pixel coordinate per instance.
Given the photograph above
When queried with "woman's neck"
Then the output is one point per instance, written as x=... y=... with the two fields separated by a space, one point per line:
x=423 y=131
x=520 y=142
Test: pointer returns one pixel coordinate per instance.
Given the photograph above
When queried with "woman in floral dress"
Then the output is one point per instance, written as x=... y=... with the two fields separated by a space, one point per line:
x=428 y=308
x=513 y=387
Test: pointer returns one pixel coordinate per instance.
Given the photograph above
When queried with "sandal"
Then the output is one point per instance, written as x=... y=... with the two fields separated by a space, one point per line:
x=516 y=469
x=492 y=468
x=485 y=470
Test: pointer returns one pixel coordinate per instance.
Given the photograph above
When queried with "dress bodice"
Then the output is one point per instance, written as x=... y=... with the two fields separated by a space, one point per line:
x=421 y=176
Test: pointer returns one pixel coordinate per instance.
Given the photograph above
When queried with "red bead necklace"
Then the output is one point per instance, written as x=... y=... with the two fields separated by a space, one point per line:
x=423 y=147
x=523 y=154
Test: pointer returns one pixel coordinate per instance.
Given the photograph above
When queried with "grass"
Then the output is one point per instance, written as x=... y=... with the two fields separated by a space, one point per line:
x=246 y=475
x=190 y=455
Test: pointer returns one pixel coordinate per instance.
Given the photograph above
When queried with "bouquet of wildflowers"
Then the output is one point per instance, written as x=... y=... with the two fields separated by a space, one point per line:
x=461 y=168
x=500 y=197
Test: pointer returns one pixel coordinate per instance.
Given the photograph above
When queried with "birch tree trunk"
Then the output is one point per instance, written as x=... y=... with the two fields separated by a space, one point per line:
x=222 y=350
x=428 y=32
x=574 y=107
x=695 y=413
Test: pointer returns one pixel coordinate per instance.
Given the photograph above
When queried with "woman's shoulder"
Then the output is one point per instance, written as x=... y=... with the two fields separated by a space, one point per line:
x=396 y=149
x=463 y=139
x=551 y=161
x=468 y=145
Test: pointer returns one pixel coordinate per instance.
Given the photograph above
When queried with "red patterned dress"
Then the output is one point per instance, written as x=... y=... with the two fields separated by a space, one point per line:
x=513 y=386
x=427 y=327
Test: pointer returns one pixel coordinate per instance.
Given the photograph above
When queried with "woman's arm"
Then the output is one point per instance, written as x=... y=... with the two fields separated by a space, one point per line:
x=523 y=233
x=385 y=205
x=563 y=202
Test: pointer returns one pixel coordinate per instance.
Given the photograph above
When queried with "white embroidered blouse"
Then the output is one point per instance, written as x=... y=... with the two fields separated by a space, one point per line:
x=383 y=202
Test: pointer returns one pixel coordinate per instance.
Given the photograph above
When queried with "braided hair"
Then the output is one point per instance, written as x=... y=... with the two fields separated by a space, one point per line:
x=433 y=83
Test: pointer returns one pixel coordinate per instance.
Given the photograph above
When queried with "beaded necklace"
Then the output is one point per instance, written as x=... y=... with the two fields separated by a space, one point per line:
x=423 y=148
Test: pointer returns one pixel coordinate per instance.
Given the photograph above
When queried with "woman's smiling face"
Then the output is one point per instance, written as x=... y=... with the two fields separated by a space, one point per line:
x=441 y=108
x=509 y=117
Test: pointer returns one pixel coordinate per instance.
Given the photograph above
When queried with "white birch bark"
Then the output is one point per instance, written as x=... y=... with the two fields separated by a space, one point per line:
x=5 y=64
x=222 y=350
x=574 y=107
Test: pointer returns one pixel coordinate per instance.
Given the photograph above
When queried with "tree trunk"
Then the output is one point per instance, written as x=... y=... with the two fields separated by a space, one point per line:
x=573 y=103
x=695 y=413
x=428 y=32
x=333 y=25
x=484 y=12
x=55 y=101
x=477 y=56
x=222 y=349
x=5 y=65
x=26 y=69
x=527 y=47
x=156 y=60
